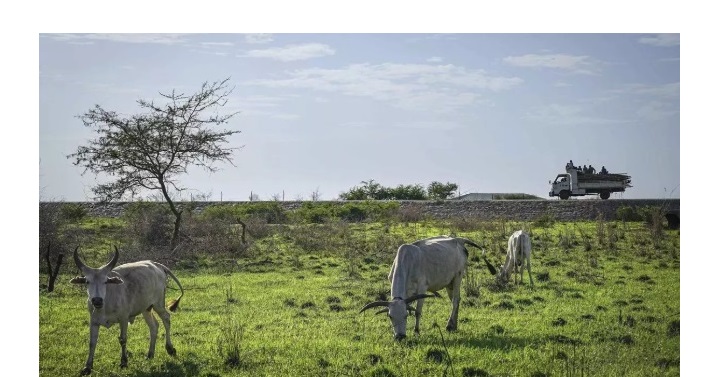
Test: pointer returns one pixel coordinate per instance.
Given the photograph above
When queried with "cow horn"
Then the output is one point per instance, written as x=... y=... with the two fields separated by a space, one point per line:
x=382 y=311
x=417 y=297
x=374 y=305
x=81 y=266
x=110 y=266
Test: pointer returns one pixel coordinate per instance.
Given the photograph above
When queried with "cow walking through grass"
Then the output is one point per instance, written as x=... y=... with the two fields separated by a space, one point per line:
x=119 y=294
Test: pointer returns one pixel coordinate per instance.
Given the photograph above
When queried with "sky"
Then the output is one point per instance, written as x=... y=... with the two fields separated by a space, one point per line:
x=320 y=113
x=482 y=109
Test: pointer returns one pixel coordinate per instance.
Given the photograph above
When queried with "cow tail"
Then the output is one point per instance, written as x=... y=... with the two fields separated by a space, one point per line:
x=174 y=304
x=491 y=268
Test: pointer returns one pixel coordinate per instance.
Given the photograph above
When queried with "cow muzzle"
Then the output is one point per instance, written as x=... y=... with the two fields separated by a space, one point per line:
x=97 y=302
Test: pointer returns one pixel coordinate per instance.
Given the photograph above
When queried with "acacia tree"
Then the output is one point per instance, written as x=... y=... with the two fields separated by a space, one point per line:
x=150 y=150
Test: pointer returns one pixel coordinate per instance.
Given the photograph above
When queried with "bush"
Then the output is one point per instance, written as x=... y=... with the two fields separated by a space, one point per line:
x=73 y=212
x=320 y=212
x=627 y=213
x=48 y=233
x=149 y=224
x=272 y=212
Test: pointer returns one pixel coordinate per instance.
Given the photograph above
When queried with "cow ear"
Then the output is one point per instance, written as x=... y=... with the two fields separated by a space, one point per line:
x=78 y=280
x=114 y=280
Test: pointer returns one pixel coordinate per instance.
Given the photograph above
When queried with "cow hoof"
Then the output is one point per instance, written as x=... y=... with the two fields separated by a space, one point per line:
x=150 y=355
x=171 y=350
x=123 y=364
x=451 y=328
x=86 y=371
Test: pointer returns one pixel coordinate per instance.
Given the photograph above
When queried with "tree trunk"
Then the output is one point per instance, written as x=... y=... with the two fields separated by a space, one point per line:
x=242 y=236
x=52 y=273
x=177 y=214
x=177 y=223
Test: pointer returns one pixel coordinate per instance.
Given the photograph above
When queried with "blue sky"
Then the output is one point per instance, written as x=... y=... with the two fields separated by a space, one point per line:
x=491 y=112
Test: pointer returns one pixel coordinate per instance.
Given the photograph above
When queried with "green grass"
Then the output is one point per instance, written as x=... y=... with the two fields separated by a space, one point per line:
x=611 y=310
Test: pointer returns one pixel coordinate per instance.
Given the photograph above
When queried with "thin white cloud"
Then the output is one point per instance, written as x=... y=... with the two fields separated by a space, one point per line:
x=259 y=38
x=357 y=124
x=656 y=110
x=434 y=59
x=654 y=102
x=286 y=116
x=669 y=90
x=411 y=86
x=561 y=84
x=429 y=125
x=209 y=52
x=167 y=39
x=217 y=44
x=572 y=63
x=661 y=40
x=259 y=105
x=568 y=114
x=292 y=52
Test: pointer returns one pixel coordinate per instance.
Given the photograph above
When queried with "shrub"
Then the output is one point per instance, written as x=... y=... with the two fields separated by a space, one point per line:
x=73 y=212
x=149 y=224
x=48 y=233
x=410 y=214
x=627 y=213
x=272 y=212
x=321 y=212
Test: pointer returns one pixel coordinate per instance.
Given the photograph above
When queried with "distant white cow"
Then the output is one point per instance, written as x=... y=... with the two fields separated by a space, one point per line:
x=519 y=251
x=425 y=265
x=118 y=295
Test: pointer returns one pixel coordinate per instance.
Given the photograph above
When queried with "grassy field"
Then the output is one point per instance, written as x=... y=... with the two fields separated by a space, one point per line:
x=606 y=302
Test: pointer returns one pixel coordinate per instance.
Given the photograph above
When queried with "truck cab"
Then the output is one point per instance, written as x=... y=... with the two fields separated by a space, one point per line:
x=561 y=186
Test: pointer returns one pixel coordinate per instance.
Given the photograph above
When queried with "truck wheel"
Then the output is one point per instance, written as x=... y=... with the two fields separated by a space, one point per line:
x=563 y=195
x=604 y=195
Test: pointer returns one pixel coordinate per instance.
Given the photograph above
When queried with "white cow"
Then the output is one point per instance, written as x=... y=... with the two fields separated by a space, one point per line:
x=118 y=295
x=519 y=251
x=425 y=265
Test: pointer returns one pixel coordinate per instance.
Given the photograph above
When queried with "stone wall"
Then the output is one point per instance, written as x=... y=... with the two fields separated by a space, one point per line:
x=565 y=210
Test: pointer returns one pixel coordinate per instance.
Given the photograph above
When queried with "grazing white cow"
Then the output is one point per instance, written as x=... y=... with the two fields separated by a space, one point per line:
x=425 y=265
x=519 y=251
x=118 y=295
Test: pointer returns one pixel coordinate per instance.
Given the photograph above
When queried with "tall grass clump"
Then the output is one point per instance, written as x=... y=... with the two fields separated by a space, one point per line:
x=546 y=220
x=230 y=343
x=654 y=222
x=566 y=238
x=600 y=229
